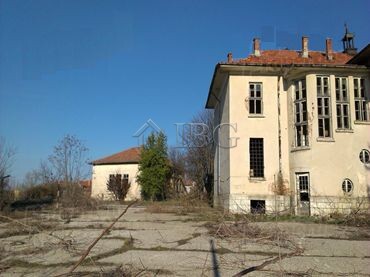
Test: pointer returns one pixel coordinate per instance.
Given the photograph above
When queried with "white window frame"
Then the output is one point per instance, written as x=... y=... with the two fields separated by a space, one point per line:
x=253 y=99
x=361 y=100
x=324 y=107
x=303 y=188
x=342 y=103
x=300 y=114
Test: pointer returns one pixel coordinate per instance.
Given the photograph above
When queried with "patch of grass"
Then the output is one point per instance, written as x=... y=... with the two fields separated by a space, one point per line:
x=180 y=206
x=185 y=241
x=129 y=245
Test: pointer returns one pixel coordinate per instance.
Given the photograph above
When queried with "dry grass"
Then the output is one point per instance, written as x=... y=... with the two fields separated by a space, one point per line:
x=181 y=206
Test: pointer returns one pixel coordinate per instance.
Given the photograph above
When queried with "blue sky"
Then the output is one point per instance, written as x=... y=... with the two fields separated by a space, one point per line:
x=100 y=69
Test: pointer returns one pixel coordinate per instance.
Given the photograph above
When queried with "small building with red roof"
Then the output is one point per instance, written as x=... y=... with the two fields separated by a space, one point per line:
x=125 y=163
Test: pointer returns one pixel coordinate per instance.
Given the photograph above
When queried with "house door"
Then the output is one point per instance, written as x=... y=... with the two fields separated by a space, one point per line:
x=303 y=193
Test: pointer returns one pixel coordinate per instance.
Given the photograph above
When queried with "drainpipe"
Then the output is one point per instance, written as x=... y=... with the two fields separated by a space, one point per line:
x=276 y=179
x=279 y=121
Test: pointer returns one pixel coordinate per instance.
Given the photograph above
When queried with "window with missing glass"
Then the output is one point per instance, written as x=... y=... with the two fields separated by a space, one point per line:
x=113 y=177
x=256 y=158
x=255 y=98
x=342 y=103
x=361 y=101
x=347 y=186
x=365 y=156
x=300 y=110
x=323 y=106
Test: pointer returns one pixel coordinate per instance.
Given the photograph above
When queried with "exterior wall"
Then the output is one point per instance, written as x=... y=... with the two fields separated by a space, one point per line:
x=100 y=176
x=222 y=154
x=244 y=187
x=330 y=161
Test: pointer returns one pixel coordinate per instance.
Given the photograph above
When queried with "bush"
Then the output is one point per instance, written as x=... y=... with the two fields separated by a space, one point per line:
x=118 y=186
x=40 y=192
x=74 y=196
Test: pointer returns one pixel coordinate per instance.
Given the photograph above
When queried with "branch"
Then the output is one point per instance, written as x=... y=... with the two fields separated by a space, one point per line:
x=98 y=238
x=266 y=263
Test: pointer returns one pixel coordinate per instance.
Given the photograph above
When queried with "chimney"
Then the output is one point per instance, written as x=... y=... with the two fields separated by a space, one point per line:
x=256 y=47
x=329 y=49
x=230 y=57
x=305 y=47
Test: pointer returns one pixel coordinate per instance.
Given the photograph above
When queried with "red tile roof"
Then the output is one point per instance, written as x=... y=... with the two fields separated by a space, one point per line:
x=287 y=57
x=131 y=155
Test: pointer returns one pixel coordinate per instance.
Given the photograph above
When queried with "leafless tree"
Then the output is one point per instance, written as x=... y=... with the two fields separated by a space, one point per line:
x=42 y=175
x=69 y=159
x=178 y=171
x=6 y=159
x=198 y=141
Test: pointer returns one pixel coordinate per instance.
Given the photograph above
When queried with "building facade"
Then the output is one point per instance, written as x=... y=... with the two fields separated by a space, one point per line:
x=293 y=131
x=124 y=163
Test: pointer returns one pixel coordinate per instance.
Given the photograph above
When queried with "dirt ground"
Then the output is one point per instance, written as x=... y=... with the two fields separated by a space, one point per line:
x=165 y=244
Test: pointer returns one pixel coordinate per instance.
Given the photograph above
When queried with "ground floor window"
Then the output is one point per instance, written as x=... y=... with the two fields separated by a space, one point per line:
x=256 y=159
x=258 y=206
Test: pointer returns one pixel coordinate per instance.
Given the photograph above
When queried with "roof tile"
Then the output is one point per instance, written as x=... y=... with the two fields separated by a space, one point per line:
x=287 y=57
x=131 y=155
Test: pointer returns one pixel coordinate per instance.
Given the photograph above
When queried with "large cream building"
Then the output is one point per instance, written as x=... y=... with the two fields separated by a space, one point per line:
x=125 y=163
x=293 y=130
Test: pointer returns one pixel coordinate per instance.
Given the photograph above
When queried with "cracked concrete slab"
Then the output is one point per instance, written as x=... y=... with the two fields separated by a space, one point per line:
x=175 y=245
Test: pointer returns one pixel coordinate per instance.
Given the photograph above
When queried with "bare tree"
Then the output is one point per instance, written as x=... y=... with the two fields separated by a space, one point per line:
x=69 y=159
x=198 y=140
x=177 y=158
x=6 y=159
x=42 y=175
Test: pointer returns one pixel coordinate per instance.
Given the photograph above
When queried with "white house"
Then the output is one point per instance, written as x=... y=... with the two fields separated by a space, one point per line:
x=294 y=130
x=125 y=163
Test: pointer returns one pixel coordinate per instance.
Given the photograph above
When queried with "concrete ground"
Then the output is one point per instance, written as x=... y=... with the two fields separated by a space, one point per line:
x=163 y=244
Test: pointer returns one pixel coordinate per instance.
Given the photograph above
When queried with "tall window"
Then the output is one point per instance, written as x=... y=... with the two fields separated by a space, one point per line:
x=323 y=106
x=300 y=106
x=256 y=160
x=255 y=98
x=341 y=94
x=362 y=113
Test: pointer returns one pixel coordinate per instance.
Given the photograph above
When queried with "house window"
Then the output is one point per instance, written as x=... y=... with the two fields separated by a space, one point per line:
x=125 y=176
x=323 y=106
x=347 y=186
x=255 y=98
x=258 y=206
x=361 y=111
x=113 y=177
x=364 y=156
x=256 y=160
x=300 y=108
x=341 y=94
